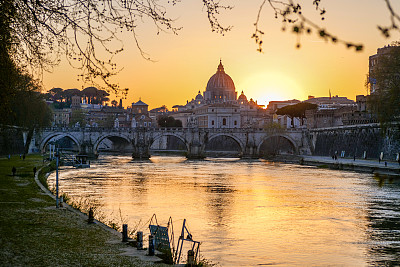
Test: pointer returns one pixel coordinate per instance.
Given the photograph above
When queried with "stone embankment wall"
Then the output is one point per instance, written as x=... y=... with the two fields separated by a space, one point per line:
x=355 y=140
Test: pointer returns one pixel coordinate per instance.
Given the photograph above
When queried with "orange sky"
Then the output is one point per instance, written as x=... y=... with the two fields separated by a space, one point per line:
x=184 y=63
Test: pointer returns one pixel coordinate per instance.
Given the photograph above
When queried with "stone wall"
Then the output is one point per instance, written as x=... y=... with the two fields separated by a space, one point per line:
x=354 y=140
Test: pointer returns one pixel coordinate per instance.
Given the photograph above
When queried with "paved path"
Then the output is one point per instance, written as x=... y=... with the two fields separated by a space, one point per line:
x=391 y=165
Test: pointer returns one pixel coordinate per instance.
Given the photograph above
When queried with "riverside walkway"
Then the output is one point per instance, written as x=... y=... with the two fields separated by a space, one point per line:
x=368 y=165
x=33 y=232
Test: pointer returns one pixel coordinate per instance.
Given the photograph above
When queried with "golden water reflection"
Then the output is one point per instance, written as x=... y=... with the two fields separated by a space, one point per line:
x=245 y=213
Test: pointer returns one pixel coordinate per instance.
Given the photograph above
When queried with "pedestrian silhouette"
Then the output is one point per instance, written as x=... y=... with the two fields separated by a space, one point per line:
x=34 y=171
x=23 y=157
x=14 y=170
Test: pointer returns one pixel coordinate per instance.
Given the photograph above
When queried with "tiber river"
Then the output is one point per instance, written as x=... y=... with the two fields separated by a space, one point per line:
x=250 y=213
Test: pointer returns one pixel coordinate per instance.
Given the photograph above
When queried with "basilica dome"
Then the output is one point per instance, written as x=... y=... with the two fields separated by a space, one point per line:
x=199 y=96
x=220 y=86
x=242 y=97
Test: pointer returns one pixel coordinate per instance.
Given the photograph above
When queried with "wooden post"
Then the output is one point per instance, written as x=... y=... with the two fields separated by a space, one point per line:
x=124 y=233
x=190 y=258
x=139 y=239
x=151 y=245
x=91 y=216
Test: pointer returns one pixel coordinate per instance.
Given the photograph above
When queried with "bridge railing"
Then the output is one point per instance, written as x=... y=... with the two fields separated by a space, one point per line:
x=162 y=129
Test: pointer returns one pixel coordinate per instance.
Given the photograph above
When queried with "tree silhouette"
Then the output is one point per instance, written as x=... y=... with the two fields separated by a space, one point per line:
x=296 y=111
x=385 y=101
x=35 y=33
x=168 y=121
x=293 y=20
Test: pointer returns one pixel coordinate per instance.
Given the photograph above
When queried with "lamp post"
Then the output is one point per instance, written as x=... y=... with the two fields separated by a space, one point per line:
x=57 y=158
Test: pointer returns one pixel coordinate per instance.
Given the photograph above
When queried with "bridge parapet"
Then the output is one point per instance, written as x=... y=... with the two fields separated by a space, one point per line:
x=249 y=139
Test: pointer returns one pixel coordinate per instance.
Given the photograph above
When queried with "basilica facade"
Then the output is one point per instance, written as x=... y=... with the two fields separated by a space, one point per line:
x=220 y=107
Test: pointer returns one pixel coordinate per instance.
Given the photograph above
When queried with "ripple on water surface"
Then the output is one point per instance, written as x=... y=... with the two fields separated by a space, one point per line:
x=249 y=213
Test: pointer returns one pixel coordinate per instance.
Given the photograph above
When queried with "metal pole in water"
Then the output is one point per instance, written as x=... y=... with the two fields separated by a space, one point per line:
x=57 y=204
x=181 y=238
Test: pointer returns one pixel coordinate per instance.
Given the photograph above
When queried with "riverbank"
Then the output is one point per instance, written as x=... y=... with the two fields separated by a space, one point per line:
x=33 y=232
x=359 y=165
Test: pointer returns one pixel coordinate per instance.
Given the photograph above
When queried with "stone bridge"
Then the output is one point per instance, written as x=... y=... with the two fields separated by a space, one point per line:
x=195 y=139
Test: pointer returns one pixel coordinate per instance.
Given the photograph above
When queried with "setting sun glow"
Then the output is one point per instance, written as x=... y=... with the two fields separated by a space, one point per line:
x=272 y=86
x=182 y=64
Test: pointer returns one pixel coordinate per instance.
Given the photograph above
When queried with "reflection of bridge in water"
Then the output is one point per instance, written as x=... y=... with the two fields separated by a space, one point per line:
x=251 y=143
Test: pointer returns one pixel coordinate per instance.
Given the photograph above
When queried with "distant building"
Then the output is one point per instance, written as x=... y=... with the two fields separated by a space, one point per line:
x=217 y=115
x=338 y=111
x=283 y=120
x=61 y=117
x=219 y=106
x=273 y=106
x=76 y=102
x=331 y=102
x=139 y=115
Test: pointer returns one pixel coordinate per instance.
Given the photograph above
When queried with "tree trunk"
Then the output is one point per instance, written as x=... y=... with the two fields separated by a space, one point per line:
x=28 y=140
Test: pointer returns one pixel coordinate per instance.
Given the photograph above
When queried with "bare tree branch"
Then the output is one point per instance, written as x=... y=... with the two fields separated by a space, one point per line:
x=291 y=14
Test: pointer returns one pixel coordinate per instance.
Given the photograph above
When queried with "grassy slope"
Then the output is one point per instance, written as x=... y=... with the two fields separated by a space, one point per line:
x=34 y=233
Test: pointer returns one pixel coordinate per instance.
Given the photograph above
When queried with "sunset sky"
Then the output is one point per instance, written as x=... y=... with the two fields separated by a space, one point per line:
x=184 y=62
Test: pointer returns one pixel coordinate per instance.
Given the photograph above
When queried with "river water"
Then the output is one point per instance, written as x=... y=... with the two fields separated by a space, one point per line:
x=250 y=213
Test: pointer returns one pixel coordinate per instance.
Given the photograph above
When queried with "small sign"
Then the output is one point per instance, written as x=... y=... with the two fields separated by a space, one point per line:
x=161 y=237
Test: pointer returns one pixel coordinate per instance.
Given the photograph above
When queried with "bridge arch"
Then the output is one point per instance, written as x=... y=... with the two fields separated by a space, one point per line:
x=290 y=140
x=161 y=135
x=50 y=136
x=233 y=137
x=107 y=135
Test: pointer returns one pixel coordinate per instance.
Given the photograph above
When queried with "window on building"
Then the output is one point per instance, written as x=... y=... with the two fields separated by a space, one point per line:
x=223 y=121
x=149 y=124
x=145 y=124
x=235 y=122
x=212 y=122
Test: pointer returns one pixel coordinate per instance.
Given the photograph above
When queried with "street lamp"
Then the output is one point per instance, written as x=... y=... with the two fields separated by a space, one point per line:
x=57 y=158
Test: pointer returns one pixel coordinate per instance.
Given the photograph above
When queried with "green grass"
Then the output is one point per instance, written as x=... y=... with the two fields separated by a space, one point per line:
x=34 y=233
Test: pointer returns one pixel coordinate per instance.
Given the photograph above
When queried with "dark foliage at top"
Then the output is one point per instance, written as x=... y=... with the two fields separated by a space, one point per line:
x=385 y=101
x=296 y=111
x=63 y=98
x=168 y=121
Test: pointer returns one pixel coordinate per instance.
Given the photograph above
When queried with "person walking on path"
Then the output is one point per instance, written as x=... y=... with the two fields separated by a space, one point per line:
x=23 y=157
x=34 y=171
x=14 y=170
